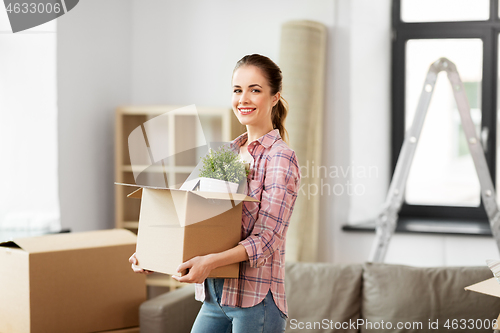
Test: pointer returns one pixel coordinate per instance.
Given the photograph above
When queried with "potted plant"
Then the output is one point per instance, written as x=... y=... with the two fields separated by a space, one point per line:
x=222 y=171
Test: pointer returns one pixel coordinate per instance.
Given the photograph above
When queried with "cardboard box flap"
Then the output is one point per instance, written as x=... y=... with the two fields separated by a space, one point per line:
x=10 y=244
x=137 y=194
x=488 y=287
x=143 y=186
x=207 y=195
x=73 y=241
x=225 y=196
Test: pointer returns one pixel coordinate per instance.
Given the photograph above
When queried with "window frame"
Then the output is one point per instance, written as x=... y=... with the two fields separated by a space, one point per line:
x=488 y=32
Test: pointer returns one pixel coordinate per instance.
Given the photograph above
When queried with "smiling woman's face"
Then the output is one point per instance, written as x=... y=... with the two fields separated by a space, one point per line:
x=252 y=100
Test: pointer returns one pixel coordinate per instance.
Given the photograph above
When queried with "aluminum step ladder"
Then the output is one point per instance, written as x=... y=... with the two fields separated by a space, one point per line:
x=387 y=218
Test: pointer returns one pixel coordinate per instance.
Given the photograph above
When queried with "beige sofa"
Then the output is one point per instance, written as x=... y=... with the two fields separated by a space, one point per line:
x=357 y=298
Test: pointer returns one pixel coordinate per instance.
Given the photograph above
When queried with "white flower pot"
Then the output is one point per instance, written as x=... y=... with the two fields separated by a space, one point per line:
x=216 y=185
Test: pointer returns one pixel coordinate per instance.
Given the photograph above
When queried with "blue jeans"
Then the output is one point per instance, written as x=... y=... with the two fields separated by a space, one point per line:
x=264 y=317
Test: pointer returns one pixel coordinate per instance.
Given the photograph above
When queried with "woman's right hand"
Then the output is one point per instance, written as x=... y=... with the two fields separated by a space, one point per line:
x=137 y=269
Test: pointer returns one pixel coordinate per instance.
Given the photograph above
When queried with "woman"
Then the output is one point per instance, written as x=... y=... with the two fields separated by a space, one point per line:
x=255 y=302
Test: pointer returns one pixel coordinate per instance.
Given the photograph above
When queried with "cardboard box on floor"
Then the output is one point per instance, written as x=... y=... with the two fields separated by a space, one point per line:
x=177 y=225
x=488 y=287
x=74 y=282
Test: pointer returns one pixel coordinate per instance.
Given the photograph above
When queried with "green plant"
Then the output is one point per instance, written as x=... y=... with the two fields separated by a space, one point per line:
x=223 y=164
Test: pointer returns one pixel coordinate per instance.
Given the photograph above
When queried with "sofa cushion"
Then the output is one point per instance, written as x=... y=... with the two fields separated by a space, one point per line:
x=319 y=294
x=174 y=311
x=403 y=294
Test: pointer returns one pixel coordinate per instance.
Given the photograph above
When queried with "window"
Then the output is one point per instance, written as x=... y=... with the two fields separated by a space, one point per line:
x=28 y=131
x=443 y=171
x=442 y=183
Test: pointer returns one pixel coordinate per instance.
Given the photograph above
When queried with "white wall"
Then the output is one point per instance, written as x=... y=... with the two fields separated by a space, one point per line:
x=360 y=120
x=183 y=52
x=94 y=70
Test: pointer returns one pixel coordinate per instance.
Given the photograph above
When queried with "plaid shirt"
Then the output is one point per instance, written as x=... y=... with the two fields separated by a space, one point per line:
x=274 y=179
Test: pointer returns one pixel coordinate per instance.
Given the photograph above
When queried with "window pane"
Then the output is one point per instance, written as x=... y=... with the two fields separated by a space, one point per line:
x=444 y=10
x=443 y=171
x=28 y=133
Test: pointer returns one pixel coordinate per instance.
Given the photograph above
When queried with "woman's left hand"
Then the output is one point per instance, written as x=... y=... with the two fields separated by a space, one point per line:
x=199 y=268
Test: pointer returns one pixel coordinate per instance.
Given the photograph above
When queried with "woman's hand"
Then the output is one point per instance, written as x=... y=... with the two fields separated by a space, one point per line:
x=137 y=269
x=199 y=268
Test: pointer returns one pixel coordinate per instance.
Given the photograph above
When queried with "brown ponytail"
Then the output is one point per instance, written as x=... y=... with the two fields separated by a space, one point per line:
x=274 y=77
x=278 y=115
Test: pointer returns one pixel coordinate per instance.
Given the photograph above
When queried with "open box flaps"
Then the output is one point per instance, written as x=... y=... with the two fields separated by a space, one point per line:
x=72 y=241
x=207 y=195
x=488 y=287
x=208 y=204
